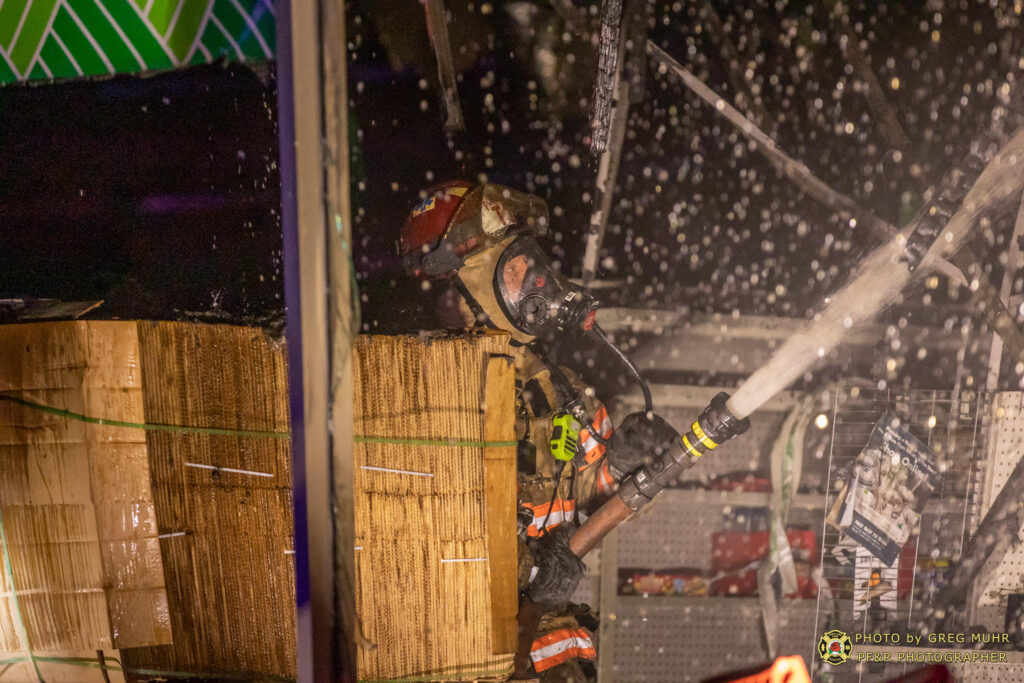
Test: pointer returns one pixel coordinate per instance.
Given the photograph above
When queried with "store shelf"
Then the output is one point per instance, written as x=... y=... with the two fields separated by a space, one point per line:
x=802 y=501
x=693 y=638
x=632 y=603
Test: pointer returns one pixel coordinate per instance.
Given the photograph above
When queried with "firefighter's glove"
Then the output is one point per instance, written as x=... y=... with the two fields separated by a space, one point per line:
x=558 y=569
x=637 y=441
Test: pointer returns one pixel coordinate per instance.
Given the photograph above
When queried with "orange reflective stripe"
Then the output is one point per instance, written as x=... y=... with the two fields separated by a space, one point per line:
x=561 y=511
x=593 y=453
x=559 y=646
x=549 y=638
x=605 y=483
x=602 y=425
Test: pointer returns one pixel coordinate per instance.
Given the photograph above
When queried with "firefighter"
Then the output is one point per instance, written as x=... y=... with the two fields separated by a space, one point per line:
x=478 y=240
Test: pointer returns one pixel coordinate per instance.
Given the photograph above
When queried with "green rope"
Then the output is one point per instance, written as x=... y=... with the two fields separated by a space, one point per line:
x=437 y=677
x=433 y=442
x=142 y=425
x=20 y=623
x=97 y=664
x=60 y=412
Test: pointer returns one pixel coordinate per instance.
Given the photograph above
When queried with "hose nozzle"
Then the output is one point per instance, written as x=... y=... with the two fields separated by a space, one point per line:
x=716 y=424
x=711 y=429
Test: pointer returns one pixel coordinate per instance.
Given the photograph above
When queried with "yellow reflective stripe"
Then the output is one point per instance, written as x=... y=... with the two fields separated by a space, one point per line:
x=704 y=438
x=690 y=448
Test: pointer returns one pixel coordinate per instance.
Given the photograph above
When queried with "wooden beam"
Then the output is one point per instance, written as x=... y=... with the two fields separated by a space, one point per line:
x=343 y=326
x=608 y=606
x=300 y=104
x=500 y=501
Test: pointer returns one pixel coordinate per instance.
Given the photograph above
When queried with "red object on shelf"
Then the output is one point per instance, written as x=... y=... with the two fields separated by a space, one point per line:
x=669 y=583
x=906 y=564
x=789 y=669
x=746 y=482
x=734 y=550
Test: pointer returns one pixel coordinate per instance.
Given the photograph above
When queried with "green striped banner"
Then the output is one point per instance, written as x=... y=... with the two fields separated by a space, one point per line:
x=47 y=39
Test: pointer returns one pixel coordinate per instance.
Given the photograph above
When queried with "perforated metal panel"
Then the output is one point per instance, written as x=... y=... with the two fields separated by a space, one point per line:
x=1006 y=446
x=955 y=426
x=1012 y=671
x=673 y=532
x=1006 y=442
x=676 y=530
x=663 y=638
x=988 y=673
x=690 y=639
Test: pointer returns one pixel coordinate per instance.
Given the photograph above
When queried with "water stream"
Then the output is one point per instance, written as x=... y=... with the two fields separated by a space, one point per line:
x=877 y=283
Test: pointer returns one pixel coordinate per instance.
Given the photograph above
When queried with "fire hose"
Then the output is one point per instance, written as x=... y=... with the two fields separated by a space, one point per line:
x=715 y=425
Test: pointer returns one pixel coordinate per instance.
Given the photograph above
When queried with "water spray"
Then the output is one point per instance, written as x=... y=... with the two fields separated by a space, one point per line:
x=880 y=279
x=876 y=284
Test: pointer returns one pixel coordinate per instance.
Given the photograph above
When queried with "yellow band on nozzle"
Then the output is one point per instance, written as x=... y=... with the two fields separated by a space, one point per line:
x=689 y=447
x=704 y=438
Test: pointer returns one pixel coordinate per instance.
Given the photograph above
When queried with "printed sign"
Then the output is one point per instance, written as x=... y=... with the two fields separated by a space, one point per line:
x=885 y=492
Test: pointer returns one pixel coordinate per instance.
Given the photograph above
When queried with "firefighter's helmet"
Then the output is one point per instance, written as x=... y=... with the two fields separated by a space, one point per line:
x=457 y=219
x=482 y=236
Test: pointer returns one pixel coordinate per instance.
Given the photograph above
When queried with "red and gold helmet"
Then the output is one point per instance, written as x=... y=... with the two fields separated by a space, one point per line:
x=458 y=219
x=483 y=238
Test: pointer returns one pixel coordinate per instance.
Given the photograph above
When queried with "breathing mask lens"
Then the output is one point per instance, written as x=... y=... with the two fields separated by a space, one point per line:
x=534 y=297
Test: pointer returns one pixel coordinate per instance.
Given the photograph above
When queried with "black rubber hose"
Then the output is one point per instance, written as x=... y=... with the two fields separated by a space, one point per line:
x=648 y=401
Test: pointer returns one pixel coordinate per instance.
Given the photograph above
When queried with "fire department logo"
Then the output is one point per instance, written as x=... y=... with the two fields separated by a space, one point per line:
x=835 y=647
x=424 y=205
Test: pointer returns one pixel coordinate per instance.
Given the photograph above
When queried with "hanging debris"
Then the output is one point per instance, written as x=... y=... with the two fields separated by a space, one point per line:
x=951 y=192
x=635 y=48
x=604 y=85
x=437 y=24
x=607 y=172
x=883 y=112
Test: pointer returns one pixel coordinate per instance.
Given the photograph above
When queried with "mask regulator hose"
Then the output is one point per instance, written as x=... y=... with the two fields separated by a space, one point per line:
x=648 y=402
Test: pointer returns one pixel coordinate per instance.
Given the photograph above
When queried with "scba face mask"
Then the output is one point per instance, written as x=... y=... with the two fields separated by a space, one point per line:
x=483 y=238
x=513 y=286
x=534 y=298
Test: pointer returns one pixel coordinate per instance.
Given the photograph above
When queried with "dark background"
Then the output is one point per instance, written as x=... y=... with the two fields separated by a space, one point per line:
x=160 y=194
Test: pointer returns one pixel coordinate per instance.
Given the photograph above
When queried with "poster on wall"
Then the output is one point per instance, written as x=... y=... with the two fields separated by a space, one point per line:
x=880 y=504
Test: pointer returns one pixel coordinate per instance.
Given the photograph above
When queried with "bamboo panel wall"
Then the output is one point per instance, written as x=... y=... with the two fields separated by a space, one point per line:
x=203 y=577
x=227 y=533
x=435 y=525
x=79 y=524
